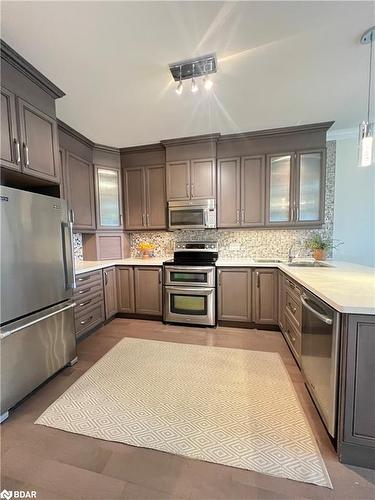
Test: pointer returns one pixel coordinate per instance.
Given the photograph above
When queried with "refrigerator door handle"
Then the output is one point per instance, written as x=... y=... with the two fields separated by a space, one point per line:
x=21 y=326
x=67 y=255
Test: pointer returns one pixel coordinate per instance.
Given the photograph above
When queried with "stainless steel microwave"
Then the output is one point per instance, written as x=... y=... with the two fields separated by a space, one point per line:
x=192 y=214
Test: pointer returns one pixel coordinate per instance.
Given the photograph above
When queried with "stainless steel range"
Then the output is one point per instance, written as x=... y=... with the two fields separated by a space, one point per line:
x=190 y=284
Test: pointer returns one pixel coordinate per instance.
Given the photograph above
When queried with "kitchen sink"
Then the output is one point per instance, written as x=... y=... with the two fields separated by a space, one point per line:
x=309 y=264
x=267 y=261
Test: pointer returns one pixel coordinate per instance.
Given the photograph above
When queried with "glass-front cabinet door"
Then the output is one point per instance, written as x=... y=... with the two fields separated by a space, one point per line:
x=309 y=187
x=280 y=189
x=108 y=201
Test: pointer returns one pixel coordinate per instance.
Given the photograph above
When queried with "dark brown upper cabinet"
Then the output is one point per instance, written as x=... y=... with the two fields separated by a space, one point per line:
x=80 y=195
x=29 y=139
x=191 y=179
x=241 y=187
x=145 y=201
x=108 y=198
x=295 y=188
x=39 y=142
x=10 y=146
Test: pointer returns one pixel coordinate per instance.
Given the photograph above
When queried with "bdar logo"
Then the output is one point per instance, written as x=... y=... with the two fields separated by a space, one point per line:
x=6 y=494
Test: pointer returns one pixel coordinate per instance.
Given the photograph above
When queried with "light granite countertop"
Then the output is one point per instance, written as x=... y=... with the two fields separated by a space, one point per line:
x=347 y=287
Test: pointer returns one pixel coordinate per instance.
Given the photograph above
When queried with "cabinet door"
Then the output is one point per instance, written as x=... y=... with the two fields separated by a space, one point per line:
x=134 y=193
x=252 y=191
x=125 y=289
x=156 y=202
x=279 y=189
x=148 y=290
x=228 y=203
x=81 y=191
x=234 y=294
x=110 y=292
x=10 y=146
x=178 y=180
x=265 y=296
x=309 y=187
x=40 y=146
x=203 y=178
x=108 y=197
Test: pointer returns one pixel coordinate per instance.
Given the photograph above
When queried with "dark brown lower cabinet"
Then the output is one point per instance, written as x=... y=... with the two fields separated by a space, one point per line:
x=89 y=300
x=356 y=437
x=110 y=291
x=125 y=289
x=234 y=294
x=265 y=294
x=148 y=290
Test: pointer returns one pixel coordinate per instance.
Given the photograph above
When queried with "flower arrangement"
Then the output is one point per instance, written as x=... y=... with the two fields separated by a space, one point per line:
x=146 y=249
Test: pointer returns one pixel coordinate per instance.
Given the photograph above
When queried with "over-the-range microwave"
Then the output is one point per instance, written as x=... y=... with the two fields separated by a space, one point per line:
x=192 y=214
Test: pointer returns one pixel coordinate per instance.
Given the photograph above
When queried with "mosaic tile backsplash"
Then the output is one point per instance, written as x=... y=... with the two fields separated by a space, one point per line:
x=249 y=243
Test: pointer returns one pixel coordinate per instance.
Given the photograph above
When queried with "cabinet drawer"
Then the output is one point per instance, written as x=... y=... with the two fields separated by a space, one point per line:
x=86 y=303
x=89 y=289
x=294 y=307
x=91 y=318
x=293 y=337
x=83 y=280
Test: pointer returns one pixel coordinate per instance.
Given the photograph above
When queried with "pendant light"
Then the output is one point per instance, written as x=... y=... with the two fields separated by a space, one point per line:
x=366 y=128
x=179 y=87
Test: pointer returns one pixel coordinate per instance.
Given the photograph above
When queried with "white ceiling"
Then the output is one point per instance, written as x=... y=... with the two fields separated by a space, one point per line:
x=279 y=64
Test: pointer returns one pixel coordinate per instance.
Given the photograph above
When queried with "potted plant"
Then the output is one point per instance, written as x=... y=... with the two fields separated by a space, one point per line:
x=146 y=249
x=320 y=245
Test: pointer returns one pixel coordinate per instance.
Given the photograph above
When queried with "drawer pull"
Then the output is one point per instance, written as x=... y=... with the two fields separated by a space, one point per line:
x=85 y=303
x=85 y=278
x=84 y=321
x=80 y=292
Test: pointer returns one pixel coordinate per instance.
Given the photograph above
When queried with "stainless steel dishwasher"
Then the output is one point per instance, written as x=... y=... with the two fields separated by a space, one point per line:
x=319 y=356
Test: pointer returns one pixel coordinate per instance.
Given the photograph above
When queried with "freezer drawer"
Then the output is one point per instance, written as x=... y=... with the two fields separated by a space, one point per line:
x=33 y=349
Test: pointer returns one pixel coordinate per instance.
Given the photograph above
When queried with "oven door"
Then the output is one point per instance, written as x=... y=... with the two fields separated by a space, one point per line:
x=189 y=276
x=189 y=305
x=191 y=217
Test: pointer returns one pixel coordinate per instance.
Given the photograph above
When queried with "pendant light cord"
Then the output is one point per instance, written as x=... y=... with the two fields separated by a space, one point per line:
x=369 y=82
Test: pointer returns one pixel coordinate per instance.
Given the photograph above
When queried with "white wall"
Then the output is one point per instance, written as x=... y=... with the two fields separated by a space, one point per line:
x=354 y=209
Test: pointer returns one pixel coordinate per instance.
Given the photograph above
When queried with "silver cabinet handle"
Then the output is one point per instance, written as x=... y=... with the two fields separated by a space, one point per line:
x=84 y=321
x=84 y=291
x=242 y=215
x=85 y=278
x=192 y=190
x=143 y=220
x=18 y=151
x=322 y=317
x=159 y=276
x=105 y=278
x=238 y=216
x=148 y=219
x=187 y=190
x=25 y=147
x=219 y=273
x=85 y=303
x=258 y=278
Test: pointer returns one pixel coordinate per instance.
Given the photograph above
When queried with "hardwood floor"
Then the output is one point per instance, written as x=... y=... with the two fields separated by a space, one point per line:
x=59 y=465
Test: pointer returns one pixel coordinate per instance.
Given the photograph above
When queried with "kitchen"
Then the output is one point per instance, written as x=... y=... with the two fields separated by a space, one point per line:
x=155 y=271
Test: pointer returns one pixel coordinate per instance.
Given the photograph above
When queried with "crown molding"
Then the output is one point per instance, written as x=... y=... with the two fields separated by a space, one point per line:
x=73 y=133
x=277 y=131
x=142 y=148
x=107 y=149
x=191 y=140
x=17 y=61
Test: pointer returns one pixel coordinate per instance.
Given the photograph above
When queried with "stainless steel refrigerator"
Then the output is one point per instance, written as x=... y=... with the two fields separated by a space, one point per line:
x=37 y=279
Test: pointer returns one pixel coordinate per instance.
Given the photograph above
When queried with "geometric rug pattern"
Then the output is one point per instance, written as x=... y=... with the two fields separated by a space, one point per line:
x=228 y=406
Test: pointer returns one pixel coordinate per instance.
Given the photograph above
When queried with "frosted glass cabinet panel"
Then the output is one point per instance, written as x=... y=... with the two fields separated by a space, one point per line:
x=309 y=186
x=108 y=198
x=280 y=169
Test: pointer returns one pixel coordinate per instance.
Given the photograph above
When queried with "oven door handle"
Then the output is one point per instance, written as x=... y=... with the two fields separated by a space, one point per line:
x=322 y=317
x=187 y=290
x=190 y=269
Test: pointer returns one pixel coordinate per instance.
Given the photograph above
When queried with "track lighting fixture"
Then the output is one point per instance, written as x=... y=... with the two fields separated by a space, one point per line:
x=193 y=69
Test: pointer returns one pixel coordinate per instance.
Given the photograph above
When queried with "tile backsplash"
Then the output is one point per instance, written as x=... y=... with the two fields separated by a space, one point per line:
x=251 y=243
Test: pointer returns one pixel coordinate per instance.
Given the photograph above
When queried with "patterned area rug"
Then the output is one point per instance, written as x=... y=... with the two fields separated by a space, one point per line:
x=228 y=406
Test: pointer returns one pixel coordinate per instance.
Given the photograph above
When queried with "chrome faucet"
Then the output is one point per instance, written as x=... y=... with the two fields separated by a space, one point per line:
x=291 y=256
